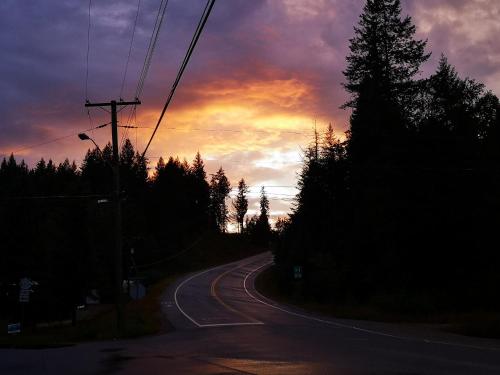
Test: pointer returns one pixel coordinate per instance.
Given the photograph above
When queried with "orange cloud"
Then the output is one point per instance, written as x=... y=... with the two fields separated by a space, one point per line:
x=254 y=128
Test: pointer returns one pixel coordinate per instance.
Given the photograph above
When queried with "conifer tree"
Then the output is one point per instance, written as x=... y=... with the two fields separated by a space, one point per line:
x=383 y=62
x=127 y=154
x=198 y=168
x=262 y=229
x=219 y=191
x=241 y=204
x=160 y=166
x=264 y=206
x=200 y=192
x=452 y=102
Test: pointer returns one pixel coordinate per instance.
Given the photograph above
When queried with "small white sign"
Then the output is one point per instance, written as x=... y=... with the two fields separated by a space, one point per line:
x=14 y=328
x=25 y=285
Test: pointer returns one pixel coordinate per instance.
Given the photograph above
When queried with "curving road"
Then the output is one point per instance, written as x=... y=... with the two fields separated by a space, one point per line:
x=224 y=326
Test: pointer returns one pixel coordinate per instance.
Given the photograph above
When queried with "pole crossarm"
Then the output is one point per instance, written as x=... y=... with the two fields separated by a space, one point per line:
x=108 y=104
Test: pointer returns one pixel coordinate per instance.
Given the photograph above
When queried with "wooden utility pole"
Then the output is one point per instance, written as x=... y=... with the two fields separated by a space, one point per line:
x=117 y=217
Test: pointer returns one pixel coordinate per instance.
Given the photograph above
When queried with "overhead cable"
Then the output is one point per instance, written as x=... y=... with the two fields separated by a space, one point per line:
x=151 y=47
x=88 y=53
x=194 y=41
x=130 y=48
x=58 y=138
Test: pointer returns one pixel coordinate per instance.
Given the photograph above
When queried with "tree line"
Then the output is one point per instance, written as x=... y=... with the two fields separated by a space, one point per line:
x=56 y=221
x=404 y=213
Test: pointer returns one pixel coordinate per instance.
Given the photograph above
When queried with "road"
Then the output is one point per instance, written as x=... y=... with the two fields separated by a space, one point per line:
x=224 y=326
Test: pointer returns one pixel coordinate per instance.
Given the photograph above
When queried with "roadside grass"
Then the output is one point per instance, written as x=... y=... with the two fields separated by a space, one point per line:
x=141 y=317
x=483 y=324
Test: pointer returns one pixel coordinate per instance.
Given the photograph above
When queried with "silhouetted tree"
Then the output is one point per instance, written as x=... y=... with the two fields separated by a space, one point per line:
x=240 y=204
x=200 y=191
x=219 y=191
x=263 y=226
x=264 y=206
x=54 y=228
x=408 y=205
x=258 y=227
x=96 y=170
x=281 y=224
x=383 y=61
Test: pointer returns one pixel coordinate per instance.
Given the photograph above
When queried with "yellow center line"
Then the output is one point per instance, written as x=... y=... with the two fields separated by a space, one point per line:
x=213 y=293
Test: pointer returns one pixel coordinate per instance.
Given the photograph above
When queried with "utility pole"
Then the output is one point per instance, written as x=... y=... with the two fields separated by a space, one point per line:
x=117 y=217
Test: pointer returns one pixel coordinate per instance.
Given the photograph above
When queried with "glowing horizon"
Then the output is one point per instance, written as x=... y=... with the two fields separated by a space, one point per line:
x=263 y=73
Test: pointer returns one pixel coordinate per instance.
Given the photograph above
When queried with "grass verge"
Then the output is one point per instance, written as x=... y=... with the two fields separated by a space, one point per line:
x=142 y=317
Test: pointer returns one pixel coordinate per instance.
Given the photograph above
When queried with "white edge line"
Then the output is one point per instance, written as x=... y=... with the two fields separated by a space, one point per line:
x=354 y=327
x=181 y=285
x=199 y=274
x=231 y=324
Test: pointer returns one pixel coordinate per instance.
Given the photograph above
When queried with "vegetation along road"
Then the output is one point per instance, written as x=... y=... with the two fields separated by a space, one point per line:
x=224 y=326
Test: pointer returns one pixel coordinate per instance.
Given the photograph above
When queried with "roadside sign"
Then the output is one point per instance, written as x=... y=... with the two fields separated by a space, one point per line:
x=14 y=328
x=24 y=296
x=136 y=290
x=25 y=285
x=297 y=272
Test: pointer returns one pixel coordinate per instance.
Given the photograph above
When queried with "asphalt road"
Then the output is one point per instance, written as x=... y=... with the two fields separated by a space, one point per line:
x=224 y=326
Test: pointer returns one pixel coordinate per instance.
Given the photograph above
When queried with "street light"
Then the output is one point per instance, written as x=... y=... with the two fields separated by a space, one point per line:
x=85 y=137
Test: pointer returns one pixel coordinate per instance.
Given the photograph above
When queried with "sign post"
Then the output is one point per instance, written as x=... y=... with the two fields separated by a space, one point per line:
x=297 y=272
x=25 y=290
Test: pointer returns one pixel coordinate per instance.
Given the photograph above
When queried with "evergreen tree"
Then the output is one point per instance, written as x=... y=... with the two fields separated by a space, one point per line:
x=219 y=191
x=281 y=225
x=160 y=167
x=451 y=106
x=241 y=204
x=127 y=154
x=51 y=168
x=264 y=206
x=40 y=168
x=200 y=192
x=13 y=177
x=96 y=170
x=67 y=177
x=140 y=169
x=198 y=168
x=133 y=170
x=261 y=231
x=383 y=61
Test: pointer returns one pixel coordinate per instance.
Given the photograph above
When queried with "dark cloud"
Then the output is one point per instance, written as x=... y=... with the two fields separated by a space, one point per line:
x=251 y=57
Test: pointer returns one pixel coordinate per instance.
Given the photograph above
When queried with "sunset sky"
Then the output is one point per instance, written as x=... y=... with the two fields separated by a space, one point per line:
x=263 y=72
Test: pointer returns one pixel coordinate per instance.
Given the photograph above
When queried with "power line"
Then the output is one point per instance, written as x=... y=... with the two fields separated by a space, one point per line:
x=151 y=47
x=50 y=197
x=124 y=136
x=58 y=139
x=88 y=53
x=221 y=130
x=289 y=162
x=147 y=61
x=250 y=191
x=130 y=48
x=127 y=127
x=194 y=41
